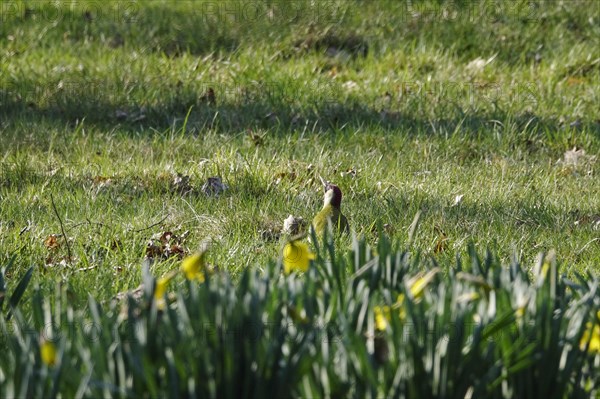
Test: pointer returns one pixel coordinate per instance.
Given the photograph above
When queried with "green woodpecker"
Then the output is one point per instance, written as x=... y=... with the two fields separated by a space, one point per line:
x=331 y=212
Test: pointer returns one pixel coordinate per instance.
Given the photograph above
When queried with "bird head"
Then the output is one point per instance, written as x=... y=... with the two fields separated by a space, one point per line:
x=333 y=194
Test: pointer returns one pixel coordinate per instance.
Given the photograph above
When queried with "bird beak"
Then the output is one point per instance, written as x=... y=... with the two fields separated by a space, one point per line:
x=325 y=183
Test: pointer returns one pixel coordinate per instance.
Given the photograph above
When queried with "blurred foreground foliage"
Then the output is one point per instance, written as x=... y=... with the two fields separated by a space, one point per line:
x=371 y=322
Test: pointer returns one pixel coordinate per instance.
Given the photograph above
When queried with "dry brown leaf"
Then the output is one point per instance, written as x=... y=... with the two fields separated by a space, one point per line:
x=153 y=250
x=279 y=177
x=101 y=180
x=165 y=245
x=166 y=237
x=51 y=242
x=54 y=260
x=573 y=80
x=350 y=173
x=441 y=244
x=176 y=250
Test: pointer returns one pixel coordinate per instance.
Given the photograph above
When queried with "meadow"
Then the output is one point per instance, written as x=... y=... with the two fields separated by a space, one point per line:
x=477 y=119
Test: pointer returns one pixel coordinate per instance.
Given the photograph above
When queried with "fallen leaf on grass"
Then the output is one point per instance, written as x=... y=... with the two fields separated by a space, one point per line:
x=478 y=63
x=587 y=219
x=269 y=234
x=177 y=183
x=101 y=180
x=350 y=173
x=575 y=156
x=55 y=260
x=573 y=80
x=279 y=177
x=386 y=228
x=350 y=85
x=181 y=184
x=458 y=199
x=294 y=170
x=293 y=225
x=51 y=242
x=441 y=243
x=214 y=186
x=165 y=245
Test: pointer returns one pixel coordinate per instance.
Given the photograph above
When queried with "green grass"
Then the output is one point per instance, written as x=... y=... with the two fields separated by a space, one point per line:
x=119 y=92
x=483 y=329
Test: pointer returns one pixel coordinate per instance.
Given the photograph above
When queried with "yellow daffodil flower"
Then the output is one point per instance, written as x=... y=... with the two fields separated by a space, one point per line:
x=160 y=289
x=296 y=257
x=416 y=287
x=48 y=353
x=193 y=267
x=417 y=284
x=545 y=268
x=591 y=335
x=398 y=305
x=382 y=317
x=383 y=314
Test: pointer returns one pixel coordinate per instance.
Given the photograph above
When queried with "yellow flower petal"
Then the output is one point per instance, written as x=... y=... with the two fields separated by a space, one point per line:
x=296 y=257
x=399 y=305
x=468 y=297
x=417 y=285
x=48 y=353
x=382 y=317
x=383 y=314
x=591 y=335
x=161 y=287
x=160 y=290
x=193 y=267
x=400 y=300
x=545 y=268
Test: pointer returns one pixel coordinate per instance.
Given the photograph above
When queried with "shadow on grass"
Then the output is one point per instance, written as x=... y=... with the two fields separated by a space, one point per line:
x=291 y=30
x=277 y=114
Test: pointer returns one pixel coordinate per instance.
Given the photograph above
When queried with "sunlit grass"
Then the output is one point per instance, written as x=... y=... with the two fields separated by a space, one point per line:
x=103 y=110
